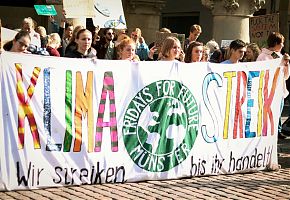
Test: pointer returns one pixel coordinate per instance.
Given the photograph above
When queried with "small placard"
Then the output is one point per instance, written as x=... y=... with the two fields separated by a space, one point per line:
x=46 y=10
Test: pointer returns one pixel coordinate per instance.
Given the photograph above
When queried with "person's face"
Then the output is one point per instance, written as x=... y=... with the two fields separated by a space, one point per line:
x=27 y=27
x=196 y=54
x=69 y=31
x=195 y=34
x=20 y=45
x=239 y=53
x=175 y=51
x=84 y=41
x=134 y=36
x=279 y=47
x=128 y=52
x=110 y=35
x=249 y=54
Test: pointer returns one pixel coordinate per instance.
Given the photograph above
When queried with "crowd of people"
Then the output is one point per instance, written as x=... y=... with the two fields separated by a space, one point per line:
x=79 y=42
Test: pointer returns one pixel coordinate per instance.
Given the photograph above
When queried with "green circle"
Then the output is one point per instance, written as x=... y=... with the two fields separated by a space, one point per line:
x=160 y=125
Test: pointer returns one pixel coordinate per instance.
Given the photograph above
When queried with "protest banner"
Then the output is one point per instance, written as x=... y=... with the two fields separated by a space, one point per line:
x=109 y=14
x=68 y=121
x=79 y=8
x=261 y=26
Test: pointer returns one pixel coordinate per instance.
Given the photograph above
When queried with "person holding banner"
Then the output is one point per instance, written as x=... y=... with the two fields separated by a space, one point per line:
x=237 y=51
x=126 y=50
x=275 y=44
x=171 y=50
x=19 y=44
x=194 y=52
x=83 y=45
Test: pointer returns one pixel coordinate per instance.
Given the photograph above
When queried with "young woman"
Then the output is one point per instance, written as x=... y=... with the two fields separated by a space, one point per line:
x=71 y=46
x=194 y=52
x=19 y=44
x=126 y=50
x=252 y=53
x=83 y=45
x=171 y=50
x=53 y=43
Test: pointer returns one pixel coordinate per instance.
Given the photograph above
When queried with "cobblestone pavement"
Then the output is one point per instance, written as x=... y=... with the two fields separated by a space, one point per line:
x=260 y=185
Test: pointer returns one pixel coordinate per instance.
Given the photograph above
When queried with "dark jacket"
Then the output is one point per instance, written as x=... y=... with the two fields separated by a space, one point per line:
x=76 y=54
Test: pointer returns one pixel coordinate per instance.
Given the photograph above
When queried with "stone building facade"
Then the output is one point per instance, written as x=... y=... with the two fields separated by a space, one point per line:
x=220 y=19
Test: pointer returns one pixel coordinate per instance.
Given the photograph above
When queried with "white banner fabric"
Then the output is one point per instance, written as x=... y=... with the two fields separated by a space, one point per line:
x=74 y=121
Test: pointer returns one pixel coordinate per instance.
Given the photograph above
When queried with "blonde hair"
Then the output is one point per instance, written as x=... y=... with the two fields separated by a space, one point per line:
x=121 y=38
x=53 y=38
x=167 y=45
x=41 y=30
x=138 y=31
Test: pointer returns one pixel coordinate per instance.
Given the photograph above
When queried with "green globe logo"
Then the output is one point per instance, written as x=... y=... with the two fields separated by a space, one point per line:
x=160 y=125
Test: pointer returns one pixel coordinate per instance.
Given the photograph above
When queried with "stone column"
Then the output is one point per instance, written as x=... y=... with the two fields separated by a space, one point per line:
x=144 y=15
x=231 y=18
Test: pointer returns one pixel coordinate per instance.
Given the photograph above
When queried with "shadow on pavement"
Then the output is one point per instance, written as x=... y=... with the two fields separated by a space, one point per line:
x=284 y=152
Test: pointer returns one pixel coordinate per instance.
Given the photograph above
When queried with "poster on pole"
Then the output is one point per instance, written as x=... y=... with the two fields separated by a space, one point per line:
x=109 y=14
x=262 y=26
x=79 y=8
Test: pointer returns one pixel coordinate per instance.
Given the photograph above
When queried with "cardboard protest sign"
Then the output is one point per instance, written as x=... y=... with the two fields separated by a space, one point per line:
x=109 y=14
x=46 y=10
x=79 y=8
x=262 y=26
x=225 y=43
x=161 y=36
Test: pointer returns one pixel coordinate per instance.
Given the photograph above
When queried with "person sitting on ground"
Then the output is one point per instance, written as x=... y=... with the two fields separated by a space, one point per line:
x=237 y=49
x=53 y=44
x=83 y=45
x=194 y=52
x=19 y=44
